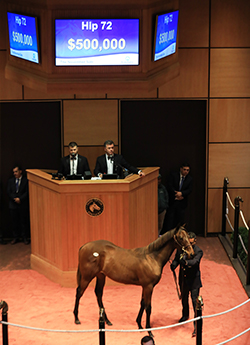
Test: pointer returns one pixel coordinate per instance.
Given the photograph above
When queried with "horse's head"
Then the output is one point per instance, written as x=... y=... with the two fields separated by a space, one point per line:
x=182 y=239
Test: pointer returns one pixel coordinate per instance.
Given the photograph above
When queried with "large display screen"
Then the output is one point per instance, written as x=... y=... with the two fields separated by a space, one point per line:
x=23 y=37
x=165 y=34
x=93 y=42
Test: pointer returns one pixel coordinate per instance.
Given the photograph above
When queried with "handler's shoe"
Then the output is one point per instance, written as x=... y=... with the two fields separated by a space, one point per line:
x=184 y=318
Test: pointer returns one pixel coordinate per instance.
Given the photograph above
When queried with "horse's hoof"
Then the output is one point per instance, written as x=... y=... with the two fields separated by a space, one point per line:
x=77 y=322
x=150 y=334
x=109 y=323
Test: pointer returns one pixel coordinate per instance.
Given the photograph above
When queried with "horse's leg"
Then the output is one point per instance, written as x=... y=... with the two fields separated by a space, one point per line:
x=147 y=295
x=79 y=292
x=100 y=282
x=139 y=316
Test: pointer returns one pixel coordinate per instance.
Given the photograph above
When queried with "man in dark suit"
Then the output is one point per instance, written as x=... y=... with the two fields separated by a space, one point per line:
x=179 y=187
x=111 y=163
x=189 y=276
x=19 y=205
x=73 y=164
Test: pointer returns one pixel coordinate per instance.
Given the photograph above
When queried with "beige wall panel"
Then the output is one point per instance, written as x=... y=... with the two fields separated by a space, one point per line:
x=9 y=90
x=194 y=23
x=131 y=94
x=35 y=94
x=214 y=213
x=229 y=120
x=230 y=73
x=90 y=122
x=91 y=153
x=193 y=78
x=229 y=160
x=90 y=95
x=230 y=24
x=3 y=26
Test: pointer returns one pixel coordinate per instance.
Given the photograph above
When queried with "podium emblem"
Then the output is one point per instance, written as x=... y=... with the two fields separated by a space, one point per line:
x=94 y=207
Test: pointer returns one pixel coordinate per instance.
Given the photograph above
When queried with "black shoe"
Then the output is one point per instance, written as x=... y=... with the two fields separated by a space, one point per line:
x=14 y=241
x=194 y=334
x=184 y=318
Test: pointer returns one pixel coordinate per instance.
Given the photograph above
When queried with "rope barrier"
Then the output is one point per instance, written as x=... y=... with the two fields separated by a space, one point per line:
x=125 y=331
x=236 y=336
x=230 y=201
x=229 y=223
x=243 y=245
x=243 y=219
x=241 y=213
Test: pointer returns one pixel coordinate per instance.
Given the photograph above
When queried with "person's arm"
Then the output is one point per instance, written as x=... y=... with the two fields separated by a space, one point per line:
x=86 y=165
x=24 y=190
x=195 y=260
x=187 y=188
x=130 y=168
x=98 y=171
x=10 y=192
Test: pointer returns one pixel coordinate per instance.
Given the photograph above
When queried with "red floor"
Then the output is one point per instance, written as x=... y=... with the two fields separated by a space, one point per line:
x=35 y=301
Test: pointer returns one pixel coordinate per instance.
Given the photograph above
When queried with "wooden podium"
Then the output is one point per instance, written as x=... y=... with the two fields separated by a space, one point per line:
x=66 y=214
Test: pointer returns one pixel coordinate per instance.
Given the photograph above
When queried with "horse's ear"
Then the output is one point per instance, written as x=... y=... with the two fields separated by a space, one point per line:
x=177 y=228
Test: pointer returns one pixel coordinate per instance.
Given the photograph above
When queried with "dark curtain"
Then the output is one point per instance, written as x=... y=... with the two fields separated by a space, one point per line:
x=30 y=136
x=166 y=133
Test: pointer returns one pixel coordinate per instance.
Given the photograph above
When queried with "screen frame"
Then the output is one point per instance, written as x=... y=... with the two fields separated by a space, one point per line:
x=155 y=34
x=99 y=65
x=37 y=34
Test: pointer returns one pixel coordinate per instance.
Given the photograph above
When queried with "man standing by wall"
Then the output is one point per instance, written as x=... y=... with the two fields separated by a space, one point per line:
x=19 y=205
x=179 y=187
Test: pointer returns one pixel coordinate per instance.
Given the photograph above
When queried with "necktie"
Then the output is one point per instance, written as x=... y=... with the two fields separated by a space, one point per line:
x=17 y=185
x=181 y=183
x=73 y=165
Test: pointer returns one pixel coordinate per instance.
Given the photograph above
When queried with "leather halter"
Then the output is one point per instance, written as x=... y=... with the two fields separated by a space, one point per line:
x=182 y=247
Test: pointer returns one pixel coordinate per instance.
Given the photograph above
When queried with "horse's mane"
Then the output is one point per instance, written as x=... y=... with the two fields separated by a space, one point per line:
x=160 y=242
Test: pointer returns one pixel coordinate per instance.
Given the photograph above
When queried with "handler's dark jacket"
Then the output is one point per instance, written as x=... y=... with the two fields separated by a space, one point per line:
x=189 y=274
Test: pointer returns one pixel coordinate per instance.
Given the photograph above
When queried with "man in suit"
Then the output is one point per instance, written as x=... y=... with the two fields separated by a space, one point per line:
x=179 y=187
x=111 y=163
x=189 y=277
x=19 y=205
x=73 y=164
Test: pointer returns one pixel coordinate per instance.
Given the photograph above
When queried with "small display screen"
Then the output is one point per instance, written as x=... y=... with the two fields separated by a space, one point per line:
x=165 y=35
x=96 y=42
x=23 y=37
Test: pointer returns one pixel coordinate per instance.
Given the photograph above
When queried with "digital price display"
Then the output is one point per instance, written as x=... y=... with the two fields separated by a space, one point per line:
x=93 y=42
x=23 y=37
x=165 y=35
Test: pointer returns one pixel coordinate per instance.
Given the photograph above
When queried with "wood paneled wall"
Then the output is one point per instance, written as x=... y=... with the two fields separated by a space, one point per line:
x=214 y=56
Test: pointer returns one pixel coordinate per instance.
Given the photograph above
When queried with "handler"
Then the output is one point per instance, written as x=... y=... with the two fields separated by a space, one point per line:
x=189 y=277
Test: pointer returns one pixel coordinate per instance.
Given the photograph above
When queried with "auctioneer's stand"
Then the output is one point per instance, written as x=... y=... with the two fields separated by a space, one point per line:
x=66 y=214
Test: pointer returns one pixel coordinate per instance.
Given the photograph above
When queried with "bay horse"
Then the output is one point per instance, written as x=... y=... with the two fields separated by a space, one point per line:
x=138 y=266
